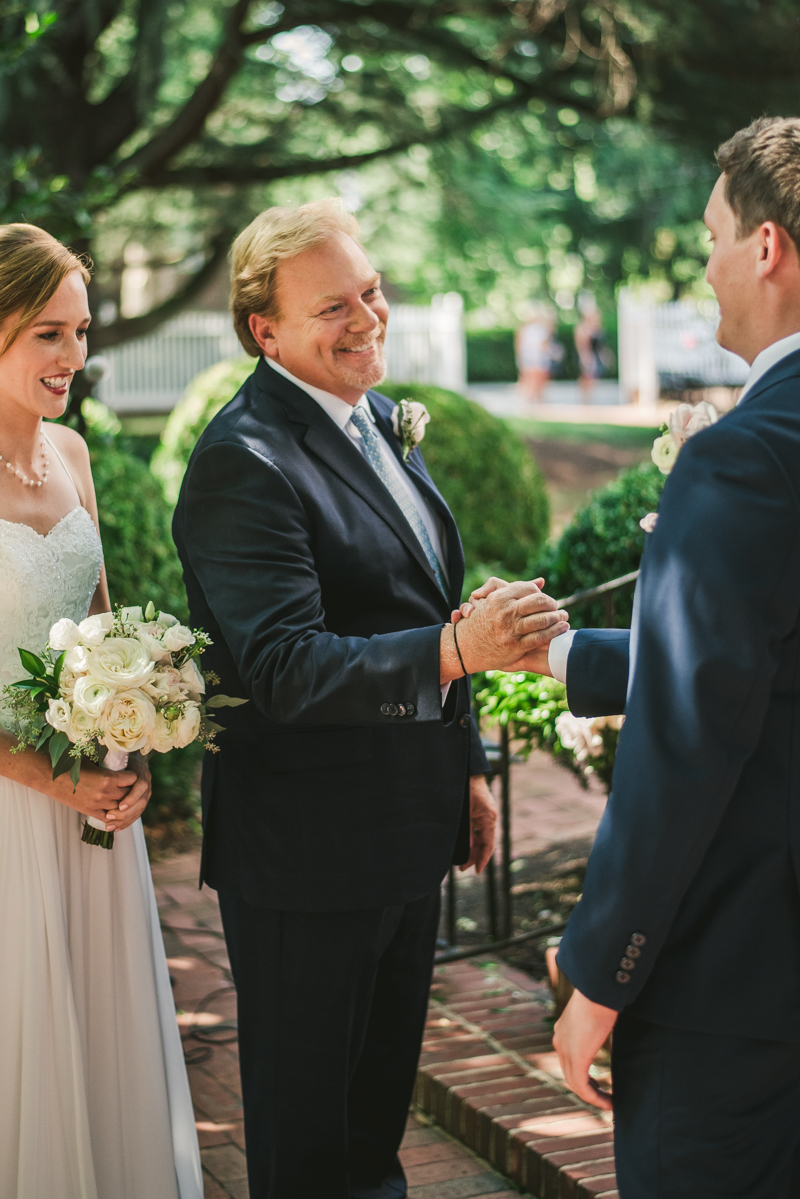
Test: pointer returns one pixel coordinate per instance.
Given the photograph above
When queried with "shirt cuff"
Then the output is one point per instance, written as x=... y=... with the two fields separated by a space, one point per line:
x=446 y=686
x=558 y=653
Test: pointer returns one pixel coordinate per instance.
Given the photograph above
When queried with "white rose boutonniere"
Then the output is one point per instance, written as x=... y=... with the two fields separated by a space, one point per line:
x=684 y=422
x=408 y=421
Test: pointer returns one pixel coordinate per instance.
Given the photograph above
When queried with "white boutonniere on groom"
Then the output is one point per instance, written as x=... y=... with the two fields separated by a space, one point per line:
x=683 y=423
x=408 y=421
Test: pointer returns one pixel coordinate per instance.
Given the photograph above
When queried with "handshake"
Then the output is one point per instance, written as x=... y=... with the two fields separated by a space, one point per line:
x=502 y=626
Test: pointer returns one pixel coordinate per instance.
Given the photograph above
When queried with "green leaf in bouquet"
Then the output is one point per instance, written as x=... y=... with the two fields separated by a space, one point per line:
x=59 y=743
x=75 y=771
x=28 y=684
x=224 y=701
x=32 y=664
x=215 y=728
x=45 y=736
x=59 y=666
x=64 y=763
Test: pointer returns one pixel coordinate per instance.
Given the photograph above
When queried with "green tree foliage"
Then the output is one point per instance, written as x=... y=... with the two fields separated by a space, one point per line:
x=603 y=542
x=482 y=469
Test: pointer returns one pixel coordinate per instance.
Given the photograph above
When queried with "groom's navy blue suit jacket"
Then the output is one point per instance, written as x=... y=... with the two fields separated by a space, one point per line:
x=696 y=860
x=342 y=784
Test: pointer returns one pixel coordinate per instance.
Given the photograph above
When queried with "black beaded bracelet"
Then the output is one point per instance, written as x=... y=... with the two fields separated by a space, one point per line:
x=458 y=651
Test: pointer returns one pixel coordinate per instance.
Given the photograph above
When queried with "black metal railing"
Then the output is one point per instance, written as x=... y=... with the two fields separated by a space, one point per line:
x=499 y=916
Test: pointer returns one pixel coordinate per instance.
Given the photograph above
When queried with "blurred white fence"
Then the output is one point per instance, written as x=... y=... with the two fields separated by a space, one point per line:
x=671 y=346
x=423 y=345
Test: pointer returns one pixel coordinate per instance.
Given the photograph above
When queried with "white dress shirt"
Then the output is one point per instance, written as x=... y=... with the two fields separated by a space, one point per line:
x=558 y=653
x=340 y=412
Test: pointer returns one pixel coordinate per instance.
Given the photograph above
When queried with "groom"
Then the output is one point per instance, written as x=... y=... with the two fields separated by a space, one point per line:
x=687 y=938
x=325 y=568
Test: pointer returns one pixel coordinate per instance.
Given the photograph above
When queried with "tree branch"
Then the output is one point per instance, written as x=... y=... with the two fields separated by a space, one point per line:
x=102 y=337
x=251 y=172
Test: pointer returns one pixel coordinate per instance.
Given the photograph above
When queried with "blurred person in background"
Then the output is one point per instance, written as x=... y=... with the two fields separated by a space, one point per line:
x=590 y=343
x=534 y=346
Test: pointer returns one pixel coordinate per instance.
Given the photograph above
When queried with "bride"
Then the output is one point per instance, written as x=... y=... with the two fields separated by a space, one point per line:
x=94 y=1099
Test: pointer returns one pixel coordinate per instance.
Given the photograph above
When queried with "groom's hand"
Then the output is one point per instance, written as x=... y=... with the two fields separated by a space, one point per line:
x=536 y=656
x=513 y=620
x=578 y=1036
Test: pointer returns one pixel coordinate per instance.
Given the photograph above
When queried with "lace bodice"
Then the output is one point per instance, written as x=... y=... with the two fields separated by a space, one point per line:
x=43 y=578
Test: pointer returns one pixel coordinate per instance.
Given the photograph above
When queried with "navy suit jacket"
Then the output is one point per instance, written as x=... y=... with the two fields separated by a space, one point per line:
x=341 y=784
x=695 y=865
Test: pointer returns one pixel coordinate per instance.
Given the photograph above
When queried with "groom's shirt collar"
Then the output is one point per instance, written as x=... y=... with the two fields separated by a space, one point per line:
x=769 y=358
x=337 y=409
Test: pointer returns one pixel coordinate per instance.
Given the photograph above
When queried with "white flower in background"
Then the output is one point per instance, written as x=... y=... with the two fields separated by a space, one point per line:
x=177 y=637
x=683 y=423
x=64 y=635
x=91 y=695
x=58 y=715
x=409 y=419
x=193 y=678
x=187 y=726
x=94 y=629
x=121 y=662
x=578 y=734
x=127 y=721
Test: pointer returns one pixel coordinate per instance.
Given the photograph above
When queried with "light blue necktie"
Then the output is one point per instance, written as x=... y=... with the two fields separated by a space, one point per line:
x=405 y=503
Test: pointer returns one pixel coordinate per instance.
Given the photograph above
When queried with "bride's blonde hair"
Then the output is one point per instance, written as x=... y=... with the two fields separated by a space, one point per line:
x=32 y=266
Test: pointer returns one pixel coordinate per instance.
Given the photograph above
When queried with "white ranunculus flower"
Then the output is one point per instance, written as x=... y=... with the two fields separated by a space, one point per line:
x=93 y=630
x=58 y=715
x=91 y=694
x=193 y=678
x=82 y=725
x=76 y=661
x=166 y=619
x=132 y=615
x=122 y=662
x=162 y=738
x=166 y=683
x=188 y=725
x=128 y=720
x=150 y=636
x=177 y=637
x=664 y=453
x=64 y=635
x=66 y=684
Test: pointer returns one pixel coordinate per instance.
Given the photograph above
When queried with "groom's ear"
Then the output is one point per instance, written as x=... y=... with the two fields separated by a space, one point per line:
x=262 y=328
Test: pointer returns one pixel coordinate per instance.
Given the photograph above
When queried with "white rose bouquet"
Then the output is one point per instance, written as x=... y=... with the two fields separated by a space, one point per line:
x=109 y=686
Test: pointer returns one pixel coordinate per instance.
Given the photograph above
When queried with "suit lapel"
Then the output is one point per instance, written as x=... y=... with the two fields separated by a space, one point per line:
x=327 y=441
x=422 y=480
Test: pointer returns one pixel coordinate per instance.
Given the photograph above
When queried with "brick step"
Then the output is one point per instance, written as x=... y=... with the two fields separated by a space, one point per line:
x=489 y=1076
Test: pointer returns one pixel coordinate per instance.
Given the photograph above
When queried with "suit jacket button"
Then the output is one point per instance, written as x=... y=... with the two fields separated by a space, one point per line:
x=633 y=952
x=638 y=939
x=384 y=709
x=410 y=709
x=392 y=709
x=465 y=721
x=622 y=977
x=627 y=964
x=401 y=709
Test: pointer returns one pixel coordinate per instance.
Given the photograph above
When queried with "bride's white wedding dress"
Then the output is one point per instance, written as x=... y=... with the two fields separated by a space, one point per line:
x=94 y=1098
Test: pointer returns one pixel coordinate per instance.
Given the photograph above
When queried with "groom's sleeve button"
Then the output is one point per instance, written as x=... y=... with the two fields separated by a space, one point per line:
x=622 y=977
x=385 y=710
x=392 y=709
x=638 y=939
x=401 y=709
x=410 y=709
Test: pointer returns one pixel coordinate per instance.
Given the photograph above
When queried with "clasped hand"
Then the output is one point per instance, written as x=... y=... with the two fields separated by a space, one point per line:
x=506 y=626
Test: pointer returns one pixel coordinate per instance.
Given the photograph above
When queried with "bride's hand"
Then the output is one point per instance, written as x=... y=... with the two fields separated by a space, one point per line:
x=135 y=802
x=98 y=791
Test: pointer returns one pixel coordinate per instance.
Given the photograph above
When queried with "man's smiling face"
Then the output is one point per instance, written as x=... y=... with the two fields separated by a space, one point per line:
x=332 y=319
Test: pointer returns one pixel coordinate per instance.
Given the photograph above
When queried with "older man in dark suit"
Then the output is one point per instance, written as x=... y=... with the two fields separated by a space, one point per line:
x=325 y=564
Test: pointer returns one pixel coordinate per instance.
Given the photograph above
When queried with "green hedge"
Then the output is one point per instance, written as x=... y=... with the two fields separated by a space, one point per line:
x=603 y=542
x=482 y=468
x=491 y=357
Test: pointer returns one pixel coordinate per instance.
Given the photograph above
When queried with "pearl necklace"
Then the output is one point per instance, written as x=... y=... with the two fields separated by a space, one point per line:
x=23 y=478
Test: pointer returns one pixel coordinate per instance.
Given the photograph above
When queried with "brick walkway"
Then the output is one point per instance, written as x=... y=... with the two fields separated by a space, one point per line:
x=437 y=1165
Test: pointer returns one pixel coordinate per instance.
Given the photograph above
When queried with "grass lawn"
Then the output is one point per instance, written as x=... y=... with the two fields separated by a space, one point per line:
x=629 y=437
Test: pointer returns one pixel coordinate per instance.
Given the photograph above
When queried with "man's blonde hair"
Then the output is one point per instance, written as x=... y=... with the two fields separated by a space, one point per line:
x=277 y=234
x=761 y=165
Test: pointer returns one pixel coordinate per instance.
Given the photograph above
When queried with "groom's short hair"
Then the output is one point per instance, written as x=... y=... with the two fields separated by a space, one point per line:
x=761 y=165
x=275 y=235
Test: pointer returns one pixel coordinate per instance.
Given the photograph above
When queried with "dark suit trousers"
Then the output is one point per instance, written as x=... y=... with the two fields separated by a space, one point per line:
x=702 y=1116
x=331 y=1013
